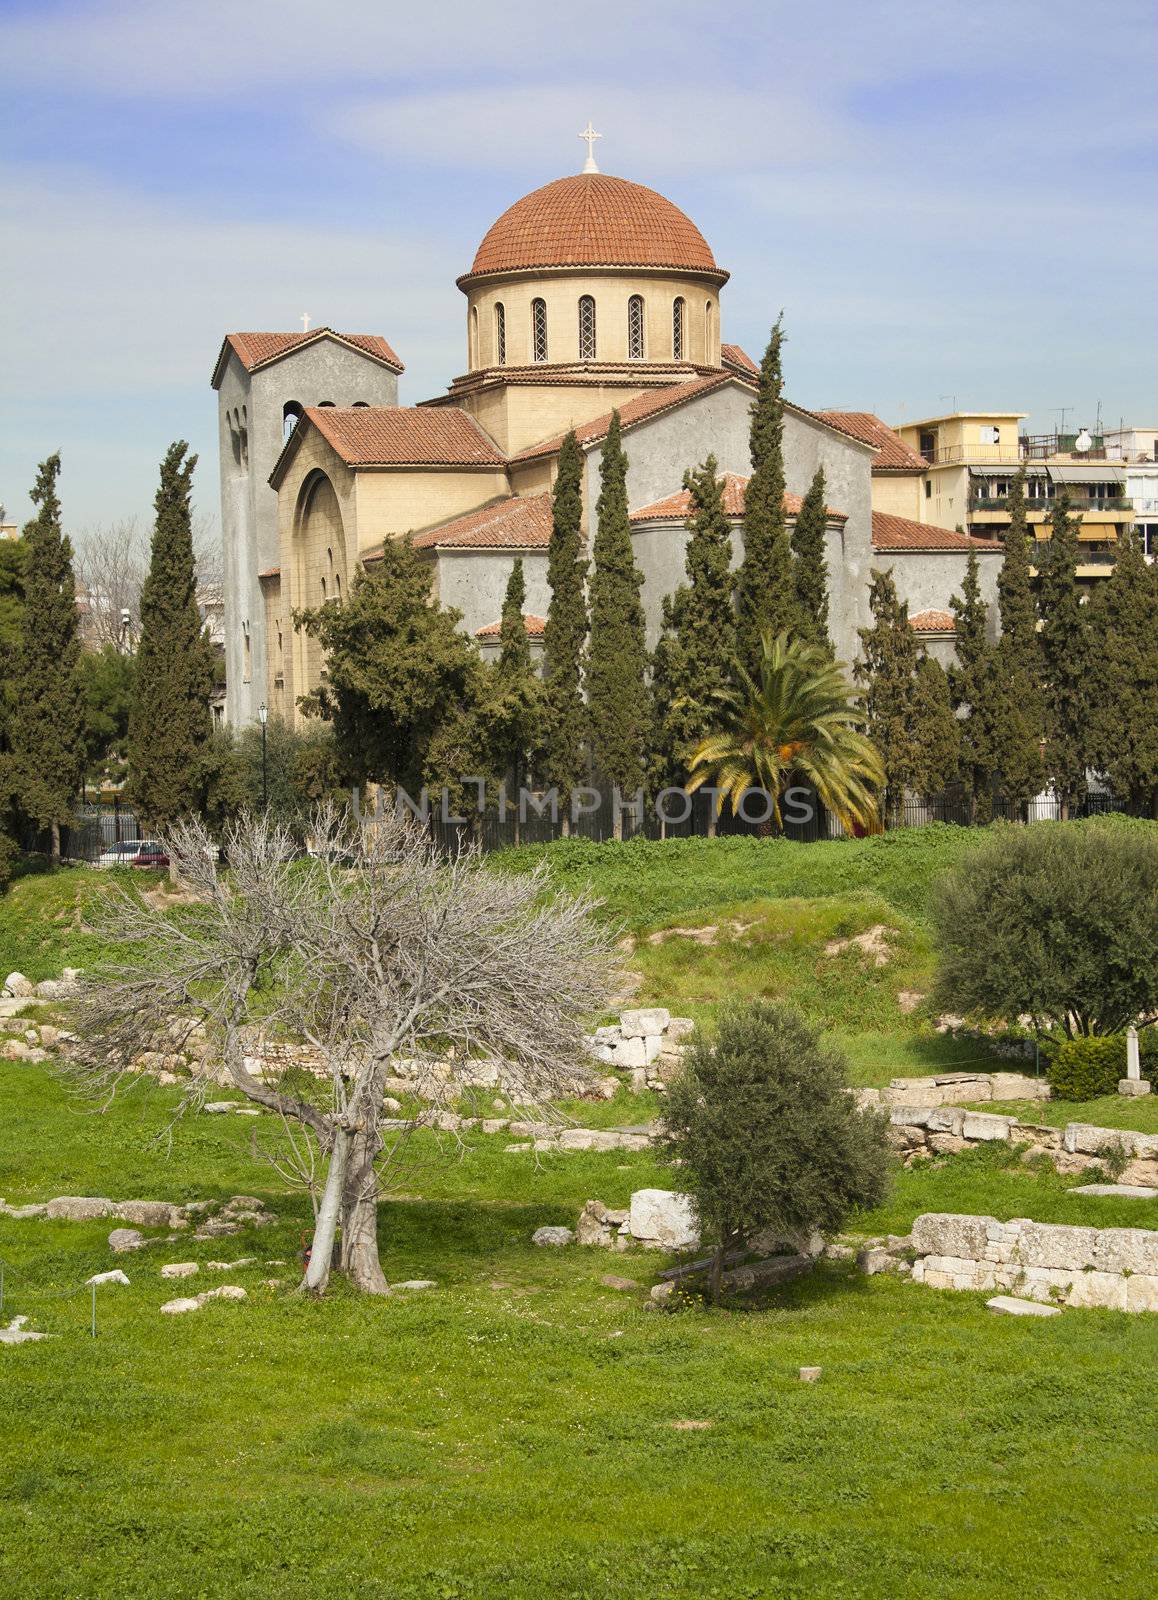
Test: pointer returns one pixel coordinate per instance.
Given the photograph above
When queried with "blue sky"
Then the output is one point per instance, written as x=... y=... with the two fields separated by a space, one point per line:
x=949 y=201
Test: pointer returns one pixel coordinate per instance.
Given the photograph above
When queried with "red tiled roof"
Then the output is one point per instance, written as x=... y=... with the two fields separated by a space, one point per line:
x=732 y=356
x=678 y=506
x=902 y=533
x=270 y=572
x=520 y=522
x=255 y=350
x=651 y=404
x=593 y=220
x=894 y=455
x=933 y=622
x=533 y=625
x=399 y=436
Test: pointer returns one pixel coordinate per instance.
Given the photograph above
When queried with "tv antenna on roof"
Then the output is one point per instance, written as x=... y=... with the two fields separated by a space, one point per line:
x=952 y=397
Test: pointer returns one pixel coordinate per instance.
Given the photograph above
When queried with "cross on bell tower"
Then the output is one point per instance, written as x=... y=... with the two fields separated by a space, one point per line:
x=590 y=135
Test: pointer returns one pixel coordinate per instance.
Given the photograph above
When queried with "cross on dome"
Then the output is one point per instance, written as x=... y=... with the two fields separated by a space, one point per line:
x=590 y=135
x=305 y=322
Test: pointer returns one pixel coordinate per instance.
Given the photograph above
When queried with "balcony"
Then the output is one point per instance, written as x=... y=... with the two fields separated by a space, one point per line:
x=974 y=455
x=1108 y=506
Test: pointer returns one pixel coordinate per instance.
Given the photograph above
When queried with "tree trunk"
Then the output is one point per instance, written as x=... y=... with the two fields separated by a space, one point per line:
x=713 y=818
x=54 y=847
x=716 y=1274
x=359 y=1251
x=326 y=1228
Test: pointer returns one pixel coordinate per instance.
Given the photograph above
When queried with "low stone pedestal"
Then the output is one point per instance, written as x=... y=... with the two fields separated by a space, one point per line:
x=1133 y=1087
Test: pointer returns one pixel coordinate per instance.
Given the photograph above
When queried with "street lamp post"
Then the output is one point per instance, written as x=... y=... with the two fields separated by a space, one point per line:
x=262 y=717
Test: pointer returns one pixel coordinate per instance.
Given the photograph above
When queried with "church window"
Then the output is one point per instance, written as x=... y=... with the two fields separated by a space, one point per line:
x=539 y=329
x=635 y=328
x=587 y=327
x=474 y=336
x=328 y=403
x=677 y=328
x=708 y=331
x=358 y=403
x=501 y=334
x=291 y=414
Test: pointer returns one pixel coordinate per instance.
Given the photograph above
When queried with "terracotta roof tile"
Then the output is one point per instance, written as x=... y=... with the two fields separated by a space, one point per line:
x=270 y=572
x=933 y=622
x=255 y=350
x=732 y=356
x=534 y=626
x=644 y=406
x=593 y=219
x=678 y=506
x=902 y=533
x=894 y=455
x=520 y=522
x=398 y=436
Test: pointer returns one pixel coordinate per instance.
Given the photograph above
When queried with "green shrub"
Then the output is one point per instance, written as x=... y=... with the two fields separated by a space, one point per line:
x=1083 y=1069
x=765 y=1136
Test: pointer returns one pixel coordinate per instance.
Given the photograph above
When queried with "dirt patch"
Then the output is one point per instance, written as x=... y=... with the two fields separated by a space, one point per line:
x=873 y=942
x=710 y=933
x=686 y=1425
x=909 y=1000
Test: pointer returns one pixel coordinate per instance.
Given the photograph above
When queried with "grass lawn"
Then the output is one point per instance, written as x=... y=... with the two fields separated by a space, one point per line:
x=516 y=1431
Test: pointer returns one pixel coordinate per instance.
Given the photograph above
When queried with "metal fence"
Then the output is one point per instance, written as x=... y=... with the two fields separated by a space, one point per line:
x=93 y=831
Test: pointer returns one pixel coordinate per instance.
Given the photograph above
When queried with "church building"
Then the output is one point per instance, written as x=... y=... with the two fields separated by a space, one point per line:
x=589 y=294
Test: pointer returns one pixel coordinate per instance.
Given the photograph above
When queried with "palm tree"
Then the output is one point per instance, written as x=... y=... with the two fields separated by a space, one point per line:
x=799 y=721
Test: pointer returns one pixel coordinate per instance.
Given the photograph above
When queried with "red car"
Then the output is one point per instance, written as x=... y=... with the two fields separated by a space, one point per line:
x=150 y=854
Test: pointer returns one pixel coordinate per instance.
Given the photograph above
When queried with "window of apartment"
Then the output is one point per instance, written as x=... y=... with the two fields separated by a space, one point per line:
x=986 y=434
x=635 y=328
x=927 y=443
x=586 y=327
x=501 y=334
x=678 y=310
x=928 y=488
x=539 y=329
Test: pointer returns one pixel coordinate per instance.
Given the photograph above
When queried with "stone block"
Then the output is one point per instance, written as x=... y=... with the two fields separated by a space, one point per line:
x=875 y=1260
x=1011 y=1306
x=144 y=1213
x=79 y=1208
x=1118 y=1191
x=115 y=1276
x=1142 y=1292
x=124 y=1239
x=1105 y=1291
x=552 y=1238
x=1045 y=1244
x=914 y=1092
x=985 y=1125
x=663 y=1220
x=174 y=1308
x=648 y=1022
x=947 y=1144
x=1018 y=1086
x=1126 y=1250
x=1084 y=1138
x=179 y=1269
x=652 y=1047
x=866 y=1097
x=948 y=1233
x=679 y=1029
x=629 y=1053
x=18 y=986
x=1134 y=1087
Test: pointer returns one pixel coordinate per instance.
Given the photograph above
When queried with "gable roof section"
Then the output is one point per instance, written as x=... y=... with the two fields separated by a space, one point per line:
x=535 y=626
x=517 y=522
x=256 y=350
x=901 y=534
x=395 y=436
x=677 y=507
x=893 y=454
x=633 y=412
x=731 y=355
x=933 y=622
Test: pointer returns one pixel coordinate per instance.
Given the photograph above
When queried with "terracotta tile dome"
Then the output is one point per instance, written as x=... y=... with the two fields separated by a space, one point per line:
x=593 y=220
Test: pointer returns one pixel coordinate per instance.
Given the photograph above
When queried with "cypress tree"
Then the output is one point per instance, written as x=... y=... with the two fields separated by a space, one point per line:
x=765 y=594
x=519 y=692
x=47 y=730
x=809 y=567
x=169 y=723
x=514 y=648
x=564 y=758
x=888 y=669
x=1067 y=661
x=938 y=748
x=617 y=654
x=1019 y=716
x=974 y=690
x=1124 y=723
x=693 y=658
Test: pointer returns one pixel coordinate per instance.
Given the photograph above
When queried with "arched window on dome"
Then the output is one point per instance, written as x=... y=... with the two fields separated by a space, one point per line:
x=587 y=327
x=539 y=329
x=500 y=333
x=678 y=312
x=472 y=337
x=635 y=328
x=708 y=344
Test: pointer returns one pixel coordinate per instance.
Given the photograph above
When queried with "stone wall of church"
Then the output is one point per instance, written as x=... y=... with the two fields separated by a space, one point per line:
x=406 y=500
x=475 y=582
x=928 y=580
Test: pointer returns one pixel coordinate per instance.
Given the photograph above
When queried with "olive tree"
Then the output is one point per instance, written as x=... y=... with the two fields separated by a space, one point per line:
x=766 y=1135
x=1057 y=923
x=372 y=949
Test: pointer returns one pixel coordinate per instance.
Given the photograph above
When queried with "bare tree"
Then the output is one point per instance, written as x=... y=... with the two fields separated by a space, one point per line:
x=376 y=948
x=111 y=564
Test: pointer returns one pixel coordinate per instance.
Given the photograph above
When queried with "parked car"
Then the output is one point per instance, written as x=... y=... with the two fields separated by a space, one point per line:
x=149 y=854
x=120 y=855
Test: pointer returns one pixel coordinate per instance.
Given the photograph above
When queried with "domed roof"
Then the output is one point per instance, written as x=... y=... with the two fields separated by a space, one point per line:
x=593 y=220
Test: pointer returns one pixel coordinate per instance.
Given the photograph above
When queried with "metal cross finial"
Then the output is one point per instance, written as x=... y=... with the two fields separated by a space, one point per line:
x=590 y=135
x=305 y=322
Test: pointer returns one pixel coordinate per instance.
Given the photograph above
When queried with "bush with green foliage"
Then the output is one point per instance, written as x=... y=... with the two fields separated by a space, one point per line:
x=1083 y=1069
x=764 y=1133
x=1055 y=922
